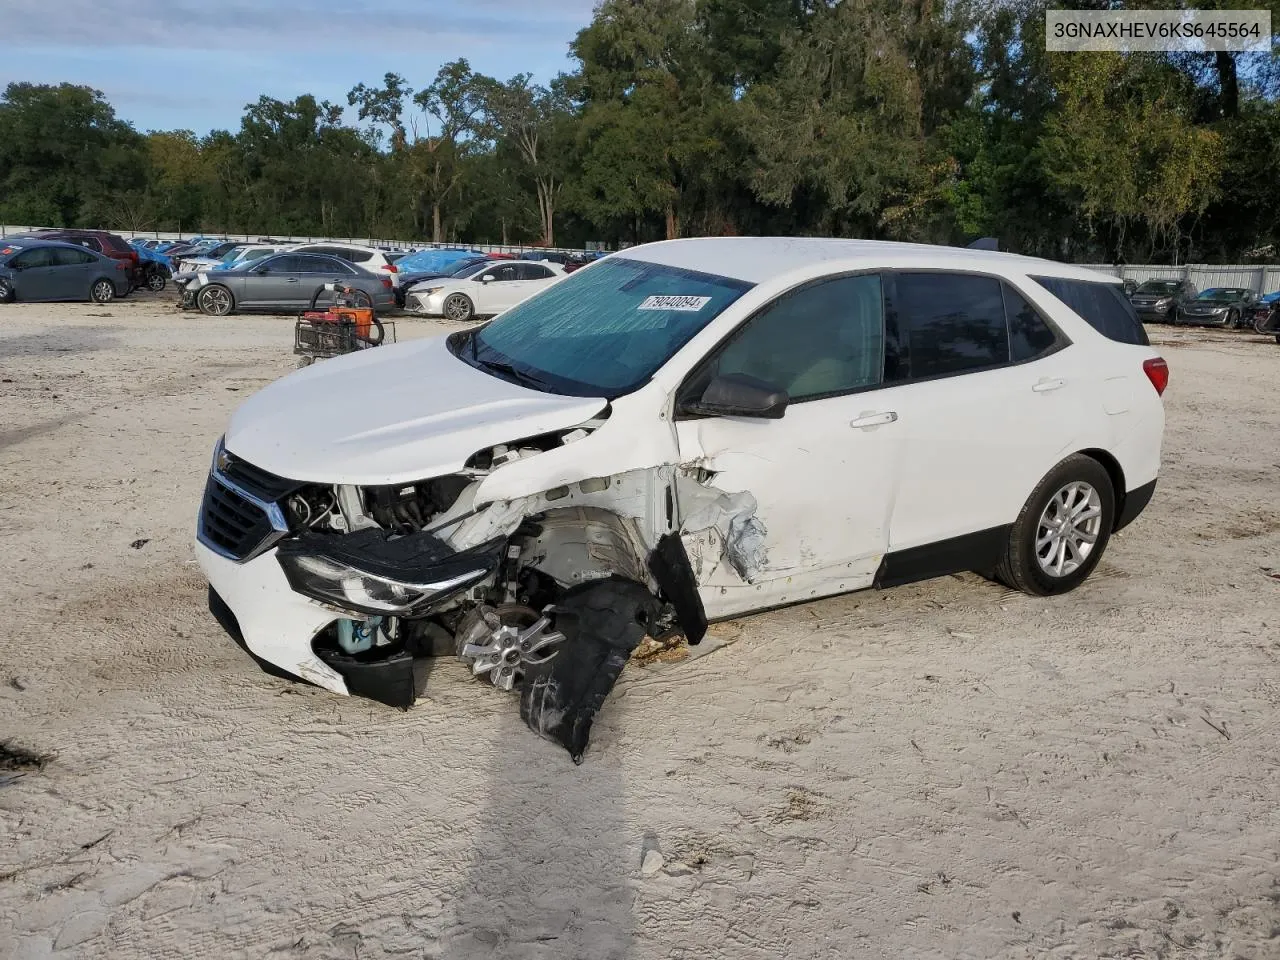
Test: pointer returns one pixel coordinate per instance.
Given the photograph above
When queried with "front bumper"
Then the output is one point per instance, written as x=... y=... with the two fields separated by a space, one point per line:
x=428 y=305
x=1203 y=319
x=276 y=625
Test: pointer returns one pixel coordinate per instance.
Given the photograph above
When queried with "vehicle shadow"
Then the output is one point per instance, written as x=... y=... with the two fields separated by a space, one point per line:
x=551 y=874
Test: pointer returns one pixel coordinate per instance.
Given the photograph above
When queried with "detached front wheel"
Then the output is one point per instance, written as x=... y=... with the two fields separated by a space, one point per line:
x=215 y=301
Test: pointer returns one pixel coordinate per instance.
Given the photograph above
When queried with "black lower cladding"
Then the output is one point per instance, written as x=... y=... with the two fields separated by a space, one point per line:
x=979 y=551
x=602 y=622
x=395 y=676
x=670 y=566
x=1135 y=501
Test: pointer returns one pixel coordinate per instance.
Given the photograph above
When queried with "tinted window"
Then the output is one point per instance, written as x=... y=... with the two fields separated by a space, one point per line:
x=820 y=340
x=532 y=271
x=1101 y=305
x=1159 y=286
x=39 y=257
x=72 y=258
x=355 y=256
x=947 y=324
x=310 y=264
x=1030 y=335
x=506 y=271
x=290 y=263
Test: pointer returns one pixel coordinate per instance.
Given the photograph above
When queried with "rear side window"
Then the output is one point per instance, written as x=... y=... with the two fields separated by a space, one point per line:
x=1102 y=305
x=1030 y=335
x=946 y=324
x=356 y=256
x=63 y=257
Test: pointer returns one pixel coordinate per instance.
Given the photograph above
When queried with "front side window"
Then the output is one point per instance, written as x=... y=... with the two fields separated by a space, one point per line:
x=821 y=340
x=601 y=332
x=1100 y=304
x=947 y=324
x=39 y=257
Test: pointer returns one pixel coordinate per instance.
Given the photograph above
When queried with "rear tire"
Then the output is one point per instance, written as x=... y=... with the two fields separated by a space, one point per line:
x=6 y=291
x=102 y=291
x=1062 y=530
x=156 y=282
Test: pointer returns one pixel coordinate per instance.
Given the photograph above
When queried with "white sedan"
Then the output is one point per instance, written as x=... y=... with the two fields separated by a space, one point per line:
x=487 y=290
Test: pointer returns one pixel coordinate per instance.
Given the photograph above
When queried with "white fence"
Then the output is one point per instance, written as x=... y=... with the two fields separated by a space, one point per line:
x=9 y=229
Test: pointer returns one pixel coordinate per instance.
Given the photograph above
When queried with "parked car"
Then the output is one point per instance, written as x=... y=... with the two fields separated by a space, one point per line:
x=434 y=259
x=1266 y=314
x=205 y=257
x=1218 y=307
x=247 y=254
x=33 y=269
x=482 y=290
x=688 y=431
x=282 y=281
x=547 y=256
x=410 y=280
x=1157 y=301
x=99 y=241
x=155 y=267
x=377 y=262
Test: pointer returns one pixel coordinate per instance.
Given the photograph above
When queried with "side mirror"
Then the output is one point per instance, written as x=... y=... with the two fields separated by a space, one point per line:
x=262 y=269
x=737 y=395
x=488 y=278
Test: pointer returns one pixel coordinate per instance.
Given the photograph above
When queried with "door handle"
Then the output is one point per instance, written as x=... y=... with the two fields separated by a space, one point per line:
x=292 y=280
x=874 y=420
x=1046 y=384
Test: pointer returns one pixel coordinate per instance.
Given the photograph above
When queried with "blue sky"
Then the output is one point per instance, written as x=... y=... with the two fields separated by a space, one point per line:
x=194 y=64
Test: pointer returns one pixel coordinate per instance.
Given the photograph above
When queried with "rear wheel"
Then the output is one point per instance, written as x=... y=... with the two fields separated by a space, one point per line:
x=156 y=281
x=215 y=301
x=458 y=307
x=103 y=291
x=6 y=291
x=363 y=299
x=1062 y=531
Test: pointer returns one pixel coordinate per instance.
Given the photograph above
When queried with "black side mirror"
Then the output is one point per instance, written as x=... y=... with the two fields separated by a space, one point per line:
x=738 y=395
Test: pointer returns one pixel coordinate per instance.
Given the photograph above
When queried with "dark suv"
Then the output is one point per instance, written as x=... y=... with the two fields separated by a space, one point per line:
x=1157 y=301
x=99 y=241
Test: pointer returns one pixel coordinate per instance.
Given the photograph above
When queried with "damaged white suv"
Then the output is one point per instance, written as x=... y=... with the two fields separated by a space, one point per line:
x=680 y=432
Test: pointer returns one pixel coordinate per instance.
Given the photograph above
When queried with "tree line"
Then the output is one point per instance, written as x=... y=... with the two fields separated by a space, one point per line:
x=924 y=120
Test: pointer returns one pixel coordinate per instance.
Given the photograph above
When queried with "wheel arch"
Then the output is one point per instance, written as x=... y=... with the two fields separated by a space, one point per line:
x=1116 y=472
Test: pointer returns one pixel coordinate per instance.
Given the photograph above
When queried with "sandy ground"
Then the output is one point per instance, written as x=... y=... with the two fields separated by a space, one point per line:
x=944 y=770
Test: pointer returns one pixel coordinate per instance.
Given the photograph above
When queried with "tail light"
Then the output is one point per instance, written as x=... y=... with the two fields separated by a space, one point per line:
x=1157 y=372
x=390 y=268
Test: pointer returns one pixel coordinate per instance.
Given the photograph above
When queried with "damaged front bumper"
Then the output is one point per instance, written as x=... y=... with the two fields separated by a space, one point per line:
x=291 y=606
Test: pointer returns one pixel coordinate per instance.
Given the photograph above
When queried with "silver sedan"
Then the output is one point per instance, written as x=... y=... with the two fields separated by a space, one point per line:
x=283 y=282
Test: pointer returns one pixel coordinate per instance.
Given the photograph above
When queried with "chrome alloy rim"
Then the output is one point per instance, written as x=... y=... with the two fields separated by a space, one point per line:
x=1068 y=529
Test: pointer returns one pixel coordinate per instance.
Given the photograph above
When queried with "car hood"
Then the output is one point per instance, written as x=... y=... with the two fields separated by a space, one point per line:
x=396 y=414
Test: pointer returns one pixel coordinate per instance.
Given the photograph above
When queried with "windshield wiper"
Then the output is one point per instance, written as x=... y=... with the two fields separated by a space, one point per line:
x=520 y=376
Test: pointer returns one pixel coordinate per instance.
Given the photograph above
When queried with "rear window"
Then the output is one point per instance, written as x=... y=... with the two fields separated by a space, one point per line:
x=1100 y=304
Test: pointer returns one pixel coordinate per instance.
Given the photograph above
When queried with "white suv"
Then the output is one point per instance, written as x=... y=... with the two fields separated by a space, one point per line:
x=378 y=262
x=681 y=432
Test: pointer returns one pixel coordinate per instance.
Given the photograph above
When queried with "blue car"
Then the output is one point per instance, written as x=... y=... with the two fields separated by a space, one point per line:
x=155 y=266
x=426 y=261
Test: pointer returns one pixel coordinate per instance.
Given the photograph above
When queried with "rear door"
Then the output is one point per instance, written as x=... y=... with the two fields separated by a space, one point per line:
x=985 y=399
x=75 y=272
x=313 y=272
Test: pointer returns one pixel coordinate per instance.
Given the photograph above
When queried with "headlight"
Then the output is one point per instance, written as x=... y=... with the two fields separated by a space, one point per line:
x=313 y=570
x=1164 y=302
x=429 y=291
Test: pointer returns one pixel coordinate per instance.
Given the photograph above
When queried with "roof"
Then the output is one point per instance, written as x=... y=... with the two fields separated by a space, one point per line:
x=756 y=259
x=41 y=242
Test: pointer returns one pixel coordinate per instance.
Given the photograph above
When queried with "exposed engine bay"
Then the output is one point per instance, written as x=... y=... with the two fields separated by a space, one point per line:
x=546 y=596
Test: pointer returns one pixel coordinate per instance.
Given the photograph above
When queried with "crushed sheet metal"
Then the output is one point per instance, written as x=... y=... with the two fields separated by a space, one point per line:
x=733 y=517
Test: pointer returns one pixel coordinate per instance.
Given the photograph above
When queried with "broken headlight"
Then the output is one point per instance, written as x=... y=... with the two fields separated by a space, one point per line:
x=369 y=573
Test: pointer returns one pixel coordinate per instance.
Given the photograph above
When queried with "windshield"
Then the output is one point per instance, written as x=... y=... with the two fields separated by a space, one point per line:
x=602 y=331
x=1223 y=293
x=1159 y=286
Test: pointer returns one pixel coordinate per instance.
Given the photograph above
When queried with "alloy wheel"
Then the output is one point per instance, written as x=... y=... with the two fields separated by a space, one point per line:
x=104 y=291
x=214 y=301
x=1068 y=530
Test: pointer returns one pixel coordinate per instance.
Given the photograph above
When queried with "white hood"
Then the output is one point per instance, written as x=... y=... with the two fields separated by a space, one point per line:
x=394 y=414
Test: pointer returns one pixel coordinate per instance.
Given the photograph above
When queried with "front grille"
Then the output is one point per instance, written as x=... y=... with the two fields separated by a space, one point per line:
x=229 y=523
x=239 y=517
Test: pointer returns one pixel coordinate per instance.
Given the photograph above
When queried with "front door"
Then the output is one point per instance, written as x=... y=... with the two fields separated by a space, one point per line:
x=37 y=279
x=776 y=511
